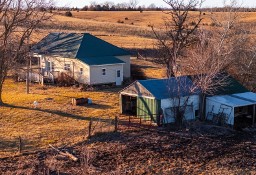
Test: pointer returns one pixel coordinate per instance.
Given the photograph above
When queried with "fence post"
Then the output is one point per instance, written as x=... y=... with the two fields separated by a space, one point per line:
x=90 y=129
x=20 y=145
x=129 y=121
x=110 y=123
x=116 y=124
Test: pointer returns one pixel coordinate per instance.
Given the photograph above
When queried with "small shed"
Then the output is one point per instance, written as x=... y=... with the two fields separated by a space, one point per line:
x=148 y=99
x=236 y=110
x=233 y=105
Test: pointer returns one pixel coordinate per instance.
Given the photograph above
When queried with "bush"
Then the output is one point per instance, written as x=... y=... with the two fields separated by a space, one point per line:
x=126 y=18
x=68 y=13
x=193 y=23
x=120 y=21
x=132 y=23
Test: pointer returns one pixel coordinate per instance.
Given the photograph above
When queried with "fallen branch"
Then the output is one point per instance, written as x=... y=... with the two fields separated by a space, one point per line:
x=67 y=154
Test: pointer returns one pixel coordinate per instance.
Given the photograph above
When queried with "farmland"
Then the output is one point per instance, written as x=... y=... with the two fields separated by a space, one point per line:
x=55 y=121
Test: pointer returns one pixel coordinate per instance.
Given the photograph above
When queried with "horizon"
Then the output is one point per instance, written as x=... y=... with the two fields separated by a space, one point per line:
x=206 y=4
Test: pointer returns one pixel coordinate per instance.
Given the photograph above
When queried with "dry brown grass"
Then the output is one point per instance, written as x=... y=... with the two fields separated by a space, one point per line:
x=155 y=18
x=105 y=26
x=150 y=70
x=123 y=41
x=54 y=121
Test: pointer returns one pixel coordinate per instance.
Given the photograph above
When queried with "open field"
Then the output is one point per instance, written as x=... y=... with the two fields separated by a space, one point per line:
x=55 y=120
x=137 y=151
x=155 y=18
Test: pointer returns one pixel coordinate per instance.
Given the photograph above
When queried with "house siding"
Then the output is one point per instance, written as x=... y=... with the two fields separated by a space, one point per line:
x=127 y=65
x=110 y=77
x=75 y=66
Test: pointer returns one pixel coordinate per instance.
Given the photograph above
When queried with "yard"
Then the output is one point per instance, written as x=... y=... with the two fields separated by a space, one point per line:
x=55 y=121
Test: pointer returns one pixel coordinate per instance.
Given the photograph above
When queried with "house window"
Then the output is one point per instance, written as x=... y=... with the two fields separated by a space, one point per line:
x=103 y=71
x=81 y=71
x=47 y=65
x=66 y=66
x=53 y=66
x=118 y=73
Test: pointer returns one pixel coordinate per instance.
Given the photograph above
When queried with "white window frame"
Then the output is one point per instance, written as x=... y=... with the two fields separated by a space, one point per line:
x=67 y=66
x=118 y=73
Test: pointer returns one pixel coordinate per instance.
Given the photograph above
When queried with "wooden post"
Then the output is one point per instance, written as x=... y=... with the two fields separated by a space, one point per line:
x=253 y=115
x=20 y=145
x=90 y=129
x=129 y=121
x=140 y=121
x=110 y=123
x=116 y=124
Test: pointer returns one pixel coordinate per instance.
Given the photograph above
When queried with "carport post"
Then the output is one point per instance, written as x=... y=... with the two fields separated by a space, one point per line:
x=253 y=114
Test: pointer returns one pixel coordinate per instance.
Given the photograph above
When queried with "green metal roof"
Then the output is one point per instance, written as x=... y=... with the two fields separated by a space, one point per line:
x=85 y=47
x=232 y=86
x=59 y=44
x=101 y=60
x=92 y=46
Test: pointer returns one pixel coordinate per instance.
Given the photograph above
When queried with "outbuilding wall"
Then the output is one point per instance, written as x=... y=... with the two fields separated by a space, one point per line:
x=148 y=108
x=214 y=107
x=192 y=106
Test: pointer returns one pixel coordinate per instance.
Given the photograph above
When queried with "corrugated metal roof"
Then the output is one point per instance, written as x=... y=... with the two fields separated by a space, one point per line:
x=92 y=46
x=102 y=60
x=59 y=44
x=236 y=100
x=85 y=47
x=169 y=88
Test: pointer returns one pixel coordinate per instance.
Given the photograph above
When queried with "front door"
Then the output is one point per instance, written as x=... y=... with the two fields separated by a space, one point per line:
x=118 y=78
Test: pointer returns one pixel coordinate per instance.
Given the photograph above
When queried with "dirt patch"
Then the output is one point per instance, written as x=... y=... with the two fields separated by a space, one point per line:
x=137 y=151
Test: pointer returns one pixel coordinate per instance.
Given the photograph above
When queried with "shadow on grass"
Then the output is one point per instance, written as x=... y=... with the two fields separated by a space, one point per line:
x=12 y=145
x=57 y=112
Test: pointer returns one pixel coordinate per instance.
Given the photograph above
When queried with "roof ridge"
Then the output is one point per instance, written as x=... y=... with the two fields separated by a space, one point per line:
x=128 y=86
x=80 y=45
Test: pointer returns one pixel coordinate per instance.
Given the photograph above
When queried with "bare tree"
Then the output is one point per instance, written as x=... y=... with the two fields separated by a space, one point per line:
x=18 y=19
x=178 y=34
x=133 y=3
x=211 y=52
x=172 y=42
x=216 y=52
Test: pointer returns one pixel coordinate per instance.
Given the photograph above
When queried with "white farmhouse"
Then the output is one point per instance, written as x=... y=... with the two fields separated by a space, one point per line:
x=83 y=57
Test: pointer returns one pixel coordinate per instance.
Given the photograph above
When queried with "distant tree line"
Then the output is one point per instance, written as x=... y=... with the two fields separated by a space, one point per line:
x=226 y=9
x=111 y=6
x=132 y=5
